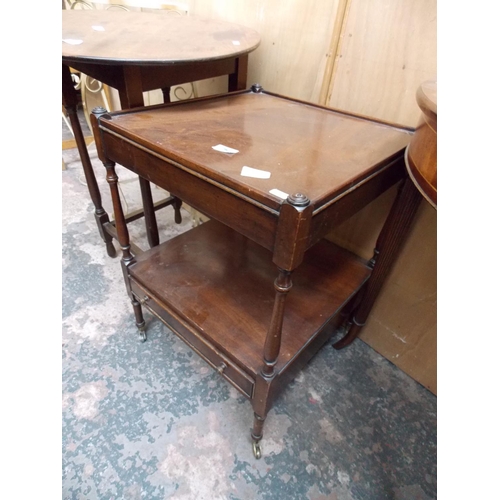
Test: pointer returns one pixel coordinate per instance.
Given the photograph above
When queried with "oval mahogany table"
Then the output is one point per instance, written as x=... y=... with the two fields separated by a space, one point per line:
x=135 y=52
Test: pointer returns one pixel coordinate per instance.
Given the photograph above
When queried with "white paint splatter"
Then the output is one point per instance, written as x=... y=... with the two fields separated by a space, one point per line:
x=86 y=399
x=343 y=478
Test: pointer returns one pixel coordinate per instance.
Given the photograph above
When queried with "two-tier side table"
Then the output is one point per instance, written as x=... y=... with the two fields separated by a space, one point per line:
x=256 y=290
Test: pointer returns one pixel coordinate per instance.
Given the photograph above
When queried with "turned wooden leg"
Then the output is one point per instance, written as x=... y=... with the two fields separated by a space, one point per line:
x=261 y=402
x=389 y=244
x=282 y=285
x=121 y=224
x=123 y=238
x=70 y=102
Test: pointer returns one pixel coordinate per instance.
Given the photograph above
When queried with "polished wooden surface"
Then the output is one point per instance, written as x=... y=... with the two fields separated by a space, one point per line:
x=305 y=148
x=256 y=291
x=115 y=37
x=135 y=52
x=421 y=157
x=223 y=283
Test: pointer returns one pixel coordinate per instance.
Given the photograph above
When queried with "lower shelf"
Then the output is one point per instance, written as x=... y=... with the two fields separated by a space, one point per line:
x=215 y=289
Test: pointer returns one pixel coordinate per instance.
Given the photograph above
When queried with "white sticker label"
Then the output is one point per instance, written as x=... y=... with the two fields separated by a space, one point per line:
x=236 y=42
x=98 y=28
x=224 y=149
x=255 y=172
x=72 y=41
x=279 y=194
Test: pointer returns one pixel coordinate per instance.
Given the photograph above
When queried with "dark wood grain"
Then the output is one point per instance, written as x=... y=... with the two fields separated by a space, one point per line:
x=389 y=244
x=307 y=149
x=256 y=291
x=143 y=38
x=222 y=285
x=135 y=52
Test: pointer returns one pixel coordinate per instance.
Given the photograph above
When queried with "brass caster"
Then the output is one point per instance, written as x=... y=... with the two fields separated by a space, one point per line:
x=143 y=336
x=257 y=452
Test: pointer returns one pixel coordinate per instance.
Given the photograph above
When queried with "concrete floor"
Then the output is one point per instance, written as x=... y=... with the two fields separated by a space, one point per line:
x=154 y=421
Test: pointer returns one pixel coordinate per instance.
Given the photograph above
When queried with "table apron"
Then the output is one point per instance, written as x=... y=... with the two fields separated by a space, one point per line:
x=244 y=215
x=156 y=76
x=352 y=202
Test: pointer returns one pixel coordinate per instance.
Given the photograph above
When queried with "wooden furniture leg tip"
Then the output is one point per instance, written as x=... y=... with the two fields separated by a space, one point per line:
x=110 y=249
x=352 y=331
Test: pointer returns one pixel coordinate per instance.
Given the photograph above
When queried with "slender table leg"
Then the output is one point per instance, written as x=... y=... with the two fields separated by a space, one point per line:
x=238 y=79
x=149 y=213
x=128 y=257
x=389 y=244
x=70 y=102
x=272 y=346
x=131 y=97
x=177 y=201
x=166 y=94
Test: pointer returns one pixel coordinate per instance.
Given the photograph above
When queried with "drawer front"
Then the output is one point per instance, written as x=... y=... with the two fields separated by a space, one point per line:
x=222 y=364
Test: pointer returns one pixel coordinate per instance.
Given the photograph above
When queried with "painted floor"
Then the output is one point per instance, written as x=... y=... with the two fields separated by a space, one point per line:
x=153 y=421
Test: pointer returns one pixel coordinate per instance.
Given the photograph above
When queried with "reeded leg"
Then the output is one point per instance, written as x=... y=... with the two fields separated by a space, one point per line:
x=390 y=241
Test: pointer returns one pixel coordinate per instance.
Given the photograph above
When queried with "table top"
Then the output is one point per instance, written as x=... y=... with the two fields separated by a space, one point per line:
x=294 y=146
x=421 y=156
x=118 y=37
x=427 y=97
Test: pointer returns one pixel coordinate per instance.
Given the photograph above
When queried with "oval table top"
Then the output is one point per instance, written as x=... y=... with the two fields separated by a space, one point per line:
x=118 y=37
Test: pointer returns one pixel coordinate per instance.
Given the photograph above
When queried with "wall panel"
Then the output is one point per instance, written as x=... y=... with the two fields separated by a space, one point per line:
x=387 y=49
x=296 y=36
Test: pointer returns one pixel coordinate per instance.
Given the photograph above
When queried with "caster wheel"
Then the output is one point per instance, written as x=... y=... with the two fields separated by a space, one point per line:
x=143 y=336
x=257 y=452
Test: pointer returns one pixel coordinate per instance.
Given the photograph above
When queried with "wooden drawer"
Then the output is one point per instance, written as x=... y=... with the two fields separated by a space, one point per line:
x=229 y=370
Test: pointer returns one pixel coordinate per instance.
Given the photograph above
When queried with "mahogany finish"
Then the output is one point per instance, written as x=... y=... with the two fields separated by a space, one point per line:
x=255 y=291
x=149 y=38
x=421 y=164
x=421 y=156
x=223 y=283
x=389 y=243
x=135 y=52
